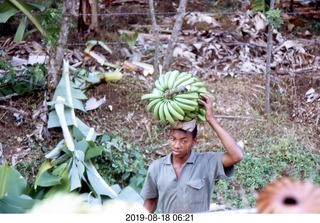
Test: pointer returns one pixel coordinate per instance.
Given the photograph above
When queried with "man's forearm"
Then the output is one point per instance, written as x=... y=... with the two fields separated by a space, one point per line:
x=227 y=140
x=150 y=204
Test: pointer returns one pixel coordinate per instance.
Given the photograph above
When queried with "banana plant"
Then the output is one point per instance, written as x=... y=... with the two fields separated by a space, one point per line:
x=69 y=164
x=13 y=191
x=11 y=7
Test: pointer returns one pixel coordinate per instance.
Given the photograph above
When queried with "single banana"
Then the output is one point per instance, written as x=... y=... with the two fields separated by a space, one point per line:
x=158 y=85
x=181 y=79
x=166 y=79
x=152 y=103
x=162 y=116
x=191 y=95
x=187 y=82
x=167 y=113
x=157 y=91
x=185 y=107
x=156 y=110
x=177 y=107
x=191 y=88
x=197 y=84
x=151 y=96
x=201 y=118
x=202 y=111
x=187 y=118
x=182 y=74
x=203 y=90
x=191 y=102
x=174 y=74
x=191 y=114
x=161 y=81
x=175 y=115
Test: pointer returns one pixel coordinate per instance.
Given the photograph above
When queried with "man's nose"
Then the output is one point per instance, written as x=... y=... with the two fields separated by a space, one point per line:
x=177 y=144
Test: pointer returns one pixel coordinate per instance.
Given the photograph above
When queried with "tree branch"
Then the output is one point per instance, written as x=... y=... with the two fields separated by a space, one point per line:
x=174 y=35
x=157 y=42
x=55 y=61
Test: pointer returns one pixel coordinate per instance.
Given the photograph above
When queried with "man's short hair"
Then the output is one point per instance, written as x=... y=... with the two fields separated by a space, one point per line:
x=195 y=132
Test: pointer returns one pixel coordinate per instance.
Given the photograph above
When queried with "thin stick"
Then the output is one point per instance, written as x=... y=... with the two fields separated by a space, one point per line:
x=14 y=110
x=157 y=42
x=238 y=117
x=5 y=98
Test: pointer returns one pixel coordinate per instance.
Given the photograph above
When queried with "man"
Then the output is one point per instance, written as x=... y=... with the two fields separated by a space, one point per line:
x=183 y=181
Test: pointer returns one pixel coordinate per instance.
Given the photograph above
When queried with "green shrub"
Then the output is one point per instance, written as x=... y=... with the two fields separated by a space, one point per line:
x=121 y=162
x=274 y=158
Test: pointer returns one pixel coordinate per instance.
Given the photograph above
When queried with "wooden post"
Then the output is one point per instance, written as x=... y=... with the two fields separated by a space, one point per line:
x=269 y=53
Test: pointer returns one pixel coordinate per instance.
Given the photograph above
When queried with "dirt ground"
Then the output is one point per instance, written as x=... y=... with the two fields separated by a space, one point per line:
x=237 y=97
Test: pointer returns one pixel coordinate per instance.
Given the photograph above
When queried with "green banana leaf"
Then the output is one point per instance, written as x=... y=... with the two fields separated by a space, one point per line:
x=130 y=195
x=12 y=189
x=10 y=7
x=93 y=150
x=70 y=96
x=11 y=181
x=97 y=182
x=18 y=37
x=15 y=204
x=44 y=167
x=7 y=10
x=48 y=180
x=75 y=173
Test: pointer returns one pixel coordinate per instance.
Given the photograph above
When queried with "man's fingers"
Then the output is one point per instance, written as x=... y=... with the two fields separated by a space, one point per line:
x=208 y=99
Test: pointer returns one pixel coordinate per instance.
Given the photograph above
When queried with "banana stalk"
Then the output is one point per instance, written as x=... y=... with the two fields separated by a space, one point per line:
x=62 y=120
x=66 y=76
x=170 y=92
x=28 y=14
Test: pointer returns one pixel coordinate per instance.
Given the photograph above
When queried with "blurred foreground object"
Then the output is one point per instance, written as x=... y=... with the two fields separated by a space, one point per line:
x=71 y=203
x=286 y=196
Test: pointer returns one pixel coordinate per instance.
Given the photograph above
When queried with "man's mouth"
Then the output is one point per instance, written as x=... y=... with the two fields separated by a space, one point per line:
x=176 y=151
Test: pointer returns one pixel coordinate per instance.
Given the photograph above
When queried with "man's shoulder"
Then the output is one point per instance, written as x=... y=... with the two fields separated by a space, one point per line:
x=208 y=155
x=159 y=161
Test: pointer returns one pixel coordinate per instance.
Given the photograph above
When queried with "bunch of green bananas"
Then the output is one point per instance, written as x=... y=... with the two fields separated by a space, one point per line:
x=175 y=98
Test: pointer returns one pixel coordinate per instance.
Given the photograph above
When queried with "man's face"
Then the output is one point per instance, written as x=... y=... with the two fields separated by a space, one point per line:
x=181 y=143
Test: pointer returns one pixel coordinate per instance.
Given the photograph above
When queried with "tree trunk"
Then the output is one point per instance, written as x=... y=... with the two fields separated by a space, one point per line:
x=94 y=16
x=56 y=55
x=174 y=35
x=88 y=16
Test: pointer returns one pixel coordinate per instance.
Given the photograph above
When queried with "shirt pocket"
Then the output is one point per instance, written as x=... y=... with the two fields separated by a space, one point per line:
x=196 y=190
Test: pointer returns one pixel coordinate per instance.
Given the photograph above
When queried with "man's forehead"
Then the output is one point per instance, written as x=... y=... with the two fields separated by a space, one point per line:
x=180 y=132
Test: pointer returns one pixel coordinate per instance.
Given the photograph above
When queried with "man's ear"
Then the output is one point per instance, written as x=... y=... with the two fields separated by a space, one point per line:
x=195 y=141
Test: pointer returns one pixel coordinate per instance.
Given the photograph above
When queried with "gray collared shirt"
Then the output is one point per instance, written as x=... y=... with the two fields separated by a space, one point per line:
x=192 y=192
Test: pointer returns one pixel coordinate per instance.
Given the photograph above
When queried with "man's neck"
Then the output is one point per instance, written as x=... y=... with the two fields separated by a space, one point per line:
x=180 y=161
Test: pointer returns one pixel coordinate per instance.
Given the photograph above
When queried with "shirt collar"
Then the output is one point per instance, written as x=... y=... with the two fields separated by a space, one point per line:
x=190 y=160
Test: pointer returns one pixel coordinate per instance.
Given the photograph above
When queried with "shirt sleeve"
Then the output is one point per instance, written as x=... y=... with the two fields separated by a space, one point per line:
x=149 y=189
x=220 y=171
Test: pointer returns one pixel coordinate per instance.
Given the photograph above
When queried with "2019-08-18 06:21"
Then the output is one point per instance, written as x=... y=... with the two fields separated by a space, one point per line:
x=159 y=217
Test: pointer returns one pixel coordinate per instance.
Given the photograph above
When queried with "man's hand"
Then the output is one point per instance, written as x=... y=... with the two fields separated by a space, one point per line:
x=233 y=152
x=207 y=104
